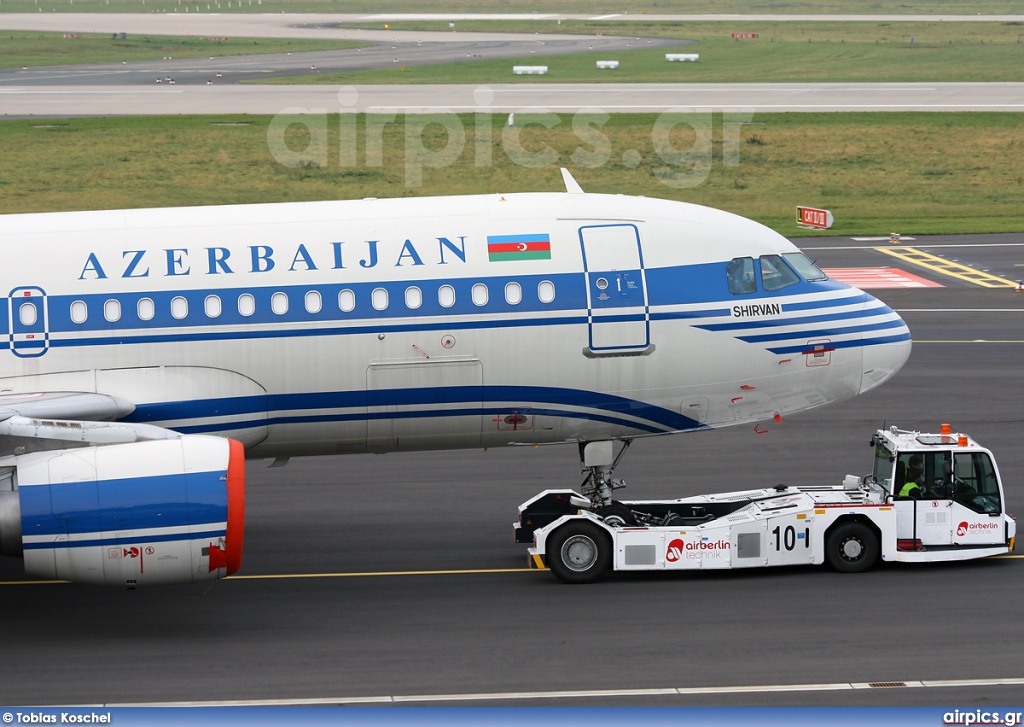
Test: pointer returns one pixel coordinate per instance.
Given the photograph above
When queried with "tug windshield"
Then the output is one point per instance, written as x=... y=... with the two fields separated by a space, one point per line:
x=883 y=468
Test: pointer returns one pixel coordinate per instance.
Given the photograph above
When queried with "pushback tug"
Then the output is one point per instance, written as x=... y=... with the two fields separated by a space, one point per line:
x=929 y=498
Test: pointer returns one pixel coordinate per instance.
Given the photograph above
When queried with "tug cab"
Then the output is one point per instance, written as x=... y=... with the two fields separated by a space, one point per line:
x=945 y=489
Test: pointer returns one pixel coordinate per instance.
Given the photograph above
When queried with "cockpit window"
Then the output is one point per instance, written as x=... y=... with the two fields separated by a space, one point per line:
x=808 y=270
x=740 y=272
x=775 y=274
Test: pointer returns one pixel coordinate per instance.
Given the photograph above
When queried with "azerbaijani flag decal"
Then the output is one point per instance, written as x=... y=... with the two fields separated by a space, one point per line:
x=518 y=247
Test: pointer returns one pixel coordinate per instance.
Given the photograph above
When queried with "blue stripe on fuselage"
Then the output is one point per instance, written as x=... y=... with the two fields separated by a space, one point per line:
x=602 y=407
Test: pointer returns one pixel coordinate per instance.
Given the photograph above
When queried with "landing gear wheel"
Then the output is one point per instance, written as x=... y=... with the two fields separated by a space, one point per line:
x=579 y=552
x=851 y=548
x=616 y=514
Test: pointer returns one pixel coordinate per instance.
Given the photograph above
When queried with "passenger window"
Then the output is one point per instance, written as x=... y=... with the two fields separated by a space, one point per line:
x=213 y=306
x=974 y=482
x=807 y=270
x=79 y=311
x=146 y=309
x=413 y=297
x=347 y=301
x=740 y=273
x=775 y=274
x=313 y=302
x=446 y=296
x=480 y=294
x=279 y=303
x=546 y=291
x=28 y=314
x=179 y=307
x=246 y=305
x=513 y=293
x=379 y=298
x=112 y=310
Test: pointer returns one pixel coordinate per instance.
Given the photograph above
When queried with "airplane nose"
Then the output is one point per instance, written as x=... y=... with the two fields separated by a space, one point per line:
x=886 y=348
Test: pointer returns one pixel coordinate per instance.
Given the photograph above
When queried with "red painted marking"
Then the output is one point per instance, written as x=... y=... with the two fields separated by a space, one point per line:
x=849 y=505
x=867 y=278
x=218 y=558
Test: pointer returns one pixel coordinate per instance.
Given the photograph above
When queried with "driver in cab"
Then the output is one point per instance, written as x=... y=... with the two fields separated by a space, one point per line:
x=914 y=483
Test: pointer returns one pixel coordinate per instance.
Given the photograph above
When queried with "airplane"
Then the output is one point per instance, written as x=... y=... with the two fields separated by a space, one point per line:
x=147 y=353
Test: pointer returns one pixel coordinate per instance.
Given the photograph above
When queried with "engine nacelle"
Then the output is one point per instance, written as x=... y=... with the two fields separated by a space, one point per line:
x=147 y=513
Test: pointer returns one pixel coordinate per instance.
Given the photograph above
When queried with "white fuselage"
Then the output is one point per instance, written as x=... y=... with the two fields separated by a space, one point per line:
x=450 y=322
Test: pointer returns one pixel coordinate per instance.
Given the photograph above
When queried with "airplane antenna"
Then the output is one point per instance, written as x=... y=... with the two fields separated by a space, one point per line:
x=571 y=185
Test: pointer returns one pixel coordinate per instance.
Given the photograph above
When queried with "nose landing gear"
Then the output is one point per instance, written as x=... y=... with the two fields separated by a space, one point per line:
x=598 y=461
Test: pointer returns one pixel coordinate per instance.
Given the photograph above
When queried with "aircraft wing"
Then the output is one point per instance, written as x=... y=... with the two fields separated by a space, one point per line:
x=45 y=421
x=64 y=405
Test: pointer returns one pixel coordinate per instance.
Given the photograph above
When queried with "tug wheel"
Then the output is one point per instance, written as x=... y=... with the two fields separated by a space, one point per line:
x=579 y=552
x=851 y=547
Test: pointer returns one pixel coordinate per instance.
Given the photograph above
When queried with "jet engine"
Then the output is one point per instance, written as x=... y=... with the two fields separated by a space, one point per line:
x=144 y=513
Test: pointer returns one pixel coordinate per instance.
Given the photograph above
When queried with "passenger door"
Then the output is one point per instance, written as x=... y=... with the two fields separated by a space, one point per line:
x=617 y=312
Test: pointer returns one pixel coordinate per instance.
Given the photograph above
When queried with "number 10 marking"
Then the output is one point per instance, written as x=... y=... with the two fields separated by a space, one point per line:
x=787 y=538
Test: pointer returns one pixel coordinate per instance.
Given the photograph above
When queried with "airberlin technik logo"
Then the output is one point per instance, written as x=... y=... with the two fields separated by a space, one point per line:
x=965 y=528
x=694 y=550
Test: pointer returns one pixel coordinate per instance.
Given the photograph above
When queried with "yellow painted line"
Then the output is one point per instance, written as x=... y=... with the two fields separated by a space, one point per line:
x=947 y=267
x=285 y=576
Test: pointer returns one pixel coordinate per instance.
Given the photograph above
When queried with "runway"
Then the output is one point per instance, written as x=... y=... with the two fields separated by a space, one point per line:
x=394 y=579
x=80 y=100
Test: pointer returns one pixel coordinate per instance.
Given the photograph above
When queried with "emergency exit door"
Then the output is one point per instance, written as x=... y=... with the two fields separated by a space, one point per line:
x=617 y=312
x=27 y=322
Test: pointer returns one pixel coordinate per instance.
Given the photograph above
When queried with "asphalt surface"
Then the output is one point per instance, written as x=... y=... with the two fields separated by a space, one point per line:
x=316 y=629
x=376 y=55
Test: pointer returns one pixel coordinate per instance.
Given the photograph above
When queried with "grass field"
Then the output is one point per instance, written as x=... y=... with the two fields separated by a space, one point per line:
x=877 y=172
x=782 y=52
x=897 y=7
x=46 y=49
